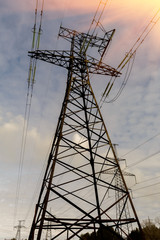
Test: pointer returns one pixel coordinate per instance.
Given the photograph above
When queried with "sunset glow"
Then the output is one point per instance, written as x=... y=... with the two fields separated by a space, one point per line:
x=91 y=5
x=137 y=13
x=86 y=6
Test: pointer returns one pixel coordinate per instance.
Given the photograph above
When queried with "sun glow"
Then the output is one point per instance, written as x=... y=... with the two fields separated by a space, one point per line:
x=91 y=5
x=138 y=12
x=73 y=7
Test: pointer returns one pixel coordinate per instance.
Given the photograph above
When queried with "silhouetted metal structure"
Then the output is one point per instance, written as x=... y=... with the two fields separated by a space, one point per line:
x=81 y=196
x=19 y=227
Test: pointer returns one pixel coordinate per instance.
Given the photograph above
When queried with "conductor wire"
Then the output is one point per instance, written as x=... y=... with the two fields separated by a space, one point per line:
x=31 y=81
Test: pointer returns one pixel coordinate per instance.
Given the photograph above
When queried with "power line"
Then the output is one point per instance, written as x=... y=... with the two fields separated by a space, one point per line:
x=140 y=145
x=31 y=81
x=152 y=194
x=127 y=58
x=149 y=179
x=142 y=160
x=146 y=186
x=126 y=78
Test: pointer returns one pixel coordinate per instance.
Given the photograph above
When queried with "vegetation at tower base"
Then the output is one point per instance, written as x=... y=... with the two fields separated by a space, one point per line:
x=150 y=230
x=107 y=232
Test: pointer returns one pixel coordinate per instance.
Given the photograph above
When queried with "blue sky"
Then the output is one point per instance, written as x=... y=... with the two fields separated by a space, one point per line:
x=131 y=120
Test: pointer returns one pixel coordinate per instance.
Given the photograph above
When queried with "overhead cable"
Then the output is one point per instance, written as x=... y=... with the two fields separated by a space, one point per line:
x=127 y=58
x=147 y=195
x=142 y=160
x=140 y=145
x=146 y=186
x=31 y=81
x=149 y=179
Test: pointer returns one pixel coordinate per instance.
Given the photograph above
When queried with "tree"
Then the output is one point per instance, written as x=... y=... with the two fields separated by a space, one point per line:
x=105 y=233
x=135 y=235
x=150 y=230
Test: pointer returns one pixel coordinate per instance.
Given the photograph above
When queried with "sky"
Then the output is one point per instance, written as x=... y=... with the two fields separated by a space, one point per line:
x=132 y=120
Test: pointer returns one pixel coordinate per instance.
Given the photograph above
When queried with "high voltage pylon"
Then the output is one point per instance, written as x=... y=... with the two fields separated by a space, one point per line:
x=19 y=227
x=83 y=197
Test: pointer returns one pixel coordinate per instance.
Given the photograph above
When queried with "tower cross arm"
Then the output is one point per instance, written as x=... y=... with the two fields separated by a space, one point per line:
x=59 y=58
x=85 y=40
x=97 y=67
x=62 y=59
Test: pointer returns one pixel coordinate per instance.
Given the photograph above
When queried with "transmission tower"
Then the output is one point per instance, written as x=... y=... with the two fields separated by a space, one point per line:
x=19 y=227
x=74 y=184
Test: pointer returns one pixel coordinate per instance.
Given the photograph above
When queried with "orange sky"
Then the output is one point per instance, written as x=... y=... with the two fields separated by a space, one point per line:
x=92 y=4
x=135 y=12
x=89 y=5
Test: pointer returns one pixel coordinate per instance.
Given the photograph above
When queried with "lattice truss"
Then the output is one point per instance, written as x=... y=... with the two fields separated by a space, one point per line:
x=80 y=184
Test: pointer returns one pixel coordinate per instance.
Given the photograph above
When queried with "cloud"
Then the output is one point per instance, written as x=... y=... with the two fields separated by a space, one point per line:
x=11 y=132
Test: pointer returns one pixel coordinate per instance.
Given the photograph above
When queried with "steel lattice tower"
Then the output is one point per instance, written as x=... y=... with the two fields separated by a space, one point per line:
x=19 y=227
x=81 y=196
